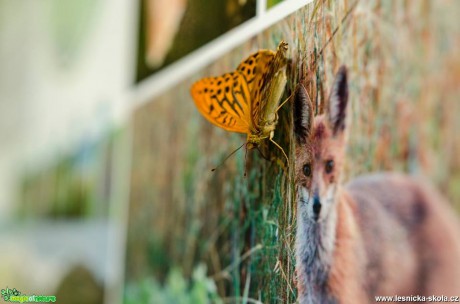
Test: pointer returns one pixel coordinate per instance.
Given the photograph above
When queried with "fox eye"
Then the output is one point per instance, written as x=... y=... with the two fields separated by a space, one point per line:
x=307 y=170
x=329 y=166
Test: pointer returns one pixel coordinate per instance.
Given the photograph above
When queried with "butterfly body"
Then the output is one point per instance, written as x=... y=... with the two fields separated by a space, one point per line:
x=246 y=100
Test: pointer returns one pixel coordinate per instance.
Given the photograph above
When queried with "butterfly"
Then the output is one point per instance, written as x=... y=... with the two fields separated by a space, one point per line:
x=246 y=100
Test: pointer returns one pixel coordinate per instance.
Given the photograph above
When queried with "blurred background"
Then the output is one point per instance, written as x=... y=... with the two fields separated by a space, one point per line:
x=106 y=194
x=66 y=67
x=69 y=70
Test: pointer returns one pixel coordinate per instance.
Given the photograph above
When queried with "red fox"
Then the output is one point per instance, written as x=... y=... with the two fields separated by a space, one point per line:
x=380 y=235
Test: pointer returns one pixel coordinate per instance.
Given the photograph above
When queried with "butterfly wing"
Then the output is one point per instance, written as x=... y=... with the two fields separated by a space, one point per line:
x=254 y=70
x=268 y=93
x=224 y=101
x=254 y=67
x=233 y=101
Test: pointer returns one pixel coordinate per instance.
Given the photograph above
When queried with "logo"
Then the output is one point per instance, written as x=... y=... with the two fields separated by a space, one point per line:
x=14 y=295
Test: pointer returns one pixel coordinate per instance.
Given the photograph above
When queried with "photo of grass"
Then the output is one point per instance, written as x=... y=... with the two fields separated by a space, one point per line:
x=225 y=238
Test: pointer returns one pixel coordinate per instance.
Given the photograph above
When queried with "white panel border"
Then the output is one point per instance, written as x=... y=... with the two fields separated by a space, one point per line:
x=168 y=77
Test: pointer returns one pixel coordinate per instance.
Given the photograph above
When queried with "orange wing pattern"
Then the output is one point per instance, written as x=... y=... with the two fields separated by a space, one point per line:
x=233 y=101
x=253 y=69
x=224 y=101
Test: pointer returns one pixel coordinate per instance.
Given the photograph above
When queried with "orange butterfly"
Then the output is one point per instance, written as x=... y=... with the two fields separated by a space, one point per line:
x=246 y=100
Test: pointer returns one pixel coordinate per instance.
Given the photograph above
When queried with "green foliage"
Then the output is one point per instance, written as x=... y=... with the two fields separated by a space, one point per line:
x=176 y=289
x=74 y=185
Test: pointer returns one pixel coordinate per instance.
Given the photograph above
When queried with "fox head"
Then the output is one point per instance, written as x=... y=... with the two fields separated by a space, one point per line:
x=320 y=149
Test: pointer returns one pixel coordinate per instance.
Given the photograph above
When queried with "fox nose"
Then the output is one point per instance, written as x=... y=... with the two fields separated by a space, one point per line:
x=316 y=205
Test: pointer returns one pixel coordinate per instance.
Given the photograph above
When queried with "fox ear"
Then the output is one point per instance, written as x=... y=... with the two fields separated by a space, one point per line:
x=338 y=101
x=303 y=114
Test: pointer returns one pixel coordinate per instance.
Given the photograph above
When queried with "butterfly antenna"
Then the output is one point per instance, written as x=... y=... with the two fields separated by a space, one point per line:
x=214 y=169
x=279 y=147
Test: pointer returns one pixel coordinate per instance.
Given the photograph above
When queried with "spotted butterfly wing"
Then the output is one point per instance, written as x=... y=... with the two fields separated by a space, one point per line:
x=246 y=100
x=227 y=100
x=253 y=70
x=273 y=82
x=224 y=101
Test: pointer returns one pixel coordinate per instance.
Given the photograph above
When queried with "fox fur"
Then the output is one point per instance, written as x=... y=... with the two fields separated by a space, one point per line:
x=384 y=234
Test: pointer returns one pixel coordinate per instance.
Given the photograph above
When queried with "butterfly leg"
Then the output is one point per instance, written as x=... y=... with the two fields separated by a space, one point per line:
x=286 y=100
x=279 y=147
x=264 y=157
